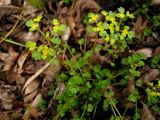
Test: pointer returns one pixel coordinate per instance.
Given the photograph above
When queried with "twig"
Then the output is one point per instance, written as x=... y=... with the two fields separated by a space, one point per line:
x=15 y=25
x=29 y=80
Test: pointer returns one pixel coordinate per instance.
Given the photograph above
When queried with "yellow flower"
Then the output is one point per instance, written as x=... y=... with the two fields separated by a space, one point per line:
x=111 y=28
x=92 y=17
x=56 y=29
x=124 y=32
x=112 y=41
x=107 y=38
x=96 y=29
x=100 y=26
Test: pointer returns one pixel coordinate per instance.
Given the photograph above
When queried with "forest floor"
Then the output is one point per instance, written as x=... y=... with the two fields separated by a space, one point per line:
x=79 y=60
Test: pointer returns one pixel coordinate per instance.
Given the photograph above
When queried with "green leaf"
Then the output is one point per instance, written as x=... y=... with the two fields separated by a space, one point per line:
x=37 y=55
x=133 y=97
x=56 y=40
x=131 y=34
x=89 y=29
x=81 y=41
x=29 y=23
x=38 y=18
x=37 y=4
x=121 y=9
x=90 y=108
x=67 y=1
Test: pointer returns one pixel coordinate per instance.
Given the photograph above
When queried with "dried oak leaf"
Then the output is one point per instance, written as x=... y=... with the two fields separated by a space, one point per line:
x=82 y=5
x=7 y=10
x=130 y=88
x=157 y=51
x=150 y=76
x=146 y=113
x=32 y=86
x=155 y=2
x=7 y=96
x=140 y=25
x=30 y=97
x=9 y=59
x=148 y=52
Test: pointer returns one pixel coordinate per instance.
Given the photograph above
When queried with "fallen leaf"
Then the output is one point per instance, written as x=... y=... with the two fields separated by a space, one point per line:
x=146 y=113
x=155 y=2
x=82 y=5
x=7 y=96
x=150 y=75
x=7 y=10
x=66 y=35
x=30 y=97
x=34 y=104
x=148 y=52
x=10 y=59
x=140 y=25
x=32 y=86
x=130 y=88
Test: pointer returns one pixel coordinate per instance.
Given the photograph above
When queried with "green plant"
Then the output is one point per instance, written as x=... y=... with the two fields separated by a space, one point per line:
x=45 y=52
x=112 y=29
x=42 y=104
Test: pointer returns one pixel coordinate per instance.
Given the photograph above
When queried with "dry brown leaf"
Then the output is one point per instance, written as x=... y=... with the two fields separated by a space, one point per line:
x=7 y=10
x=10 y=59
x=146 y=113
x=7 y=96
x=34 y=104
x=140 y=25
x=34 y=112
x=82 y=5
x=148 y=52
x=5 y=2
x=32 y=86
x=30 y=97
x=130 y=88
x=157 y=51
x=66 y=34
x=150 y=75
x=20 y=62
x=155 y=2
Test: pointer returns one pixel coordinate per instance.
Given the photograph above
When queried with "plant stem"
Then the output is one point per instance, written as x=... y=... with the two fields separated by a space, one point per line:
x=45 y=37
x=15 y=25
x=13 y=42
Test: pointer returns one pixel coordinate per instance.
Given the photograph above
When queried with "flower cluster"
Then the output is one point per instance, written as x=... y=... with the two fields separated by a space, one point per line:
x=33 y=24
x=113 y=29
x=58 y=29
x=41 y=52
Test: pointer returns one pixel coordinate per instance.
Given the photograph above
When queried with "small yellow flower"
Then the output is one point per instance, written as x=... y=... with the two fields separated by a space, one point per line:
x=95 y=29
x=112 y=41
x=124 y=32
x=100 y=26
x=56 y=29
x=92 y=17
x=111 y=28
x=107 y=38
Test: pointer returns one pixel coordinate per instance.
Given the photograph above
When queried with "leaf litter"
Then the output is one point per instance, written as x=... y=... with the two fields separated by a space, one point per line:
x=26 y=81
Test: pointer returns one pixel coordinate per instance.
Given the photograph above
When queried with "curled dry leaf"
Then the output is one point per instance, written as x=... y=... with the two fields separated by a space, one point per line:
x=146 y=113
x=7 y=96
x=32 y=86
x=150 y=75
x=155 y=2
x=157 y=51
x=66 y=34
x=60 y=88
x=140 y=25
x=148 y=52
x=10 y=59
x=20 y=62
x=130 y=88
x=5 y=2
x=30 y=97
x=81 y=6
x=7 y=10
x=34 y=104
